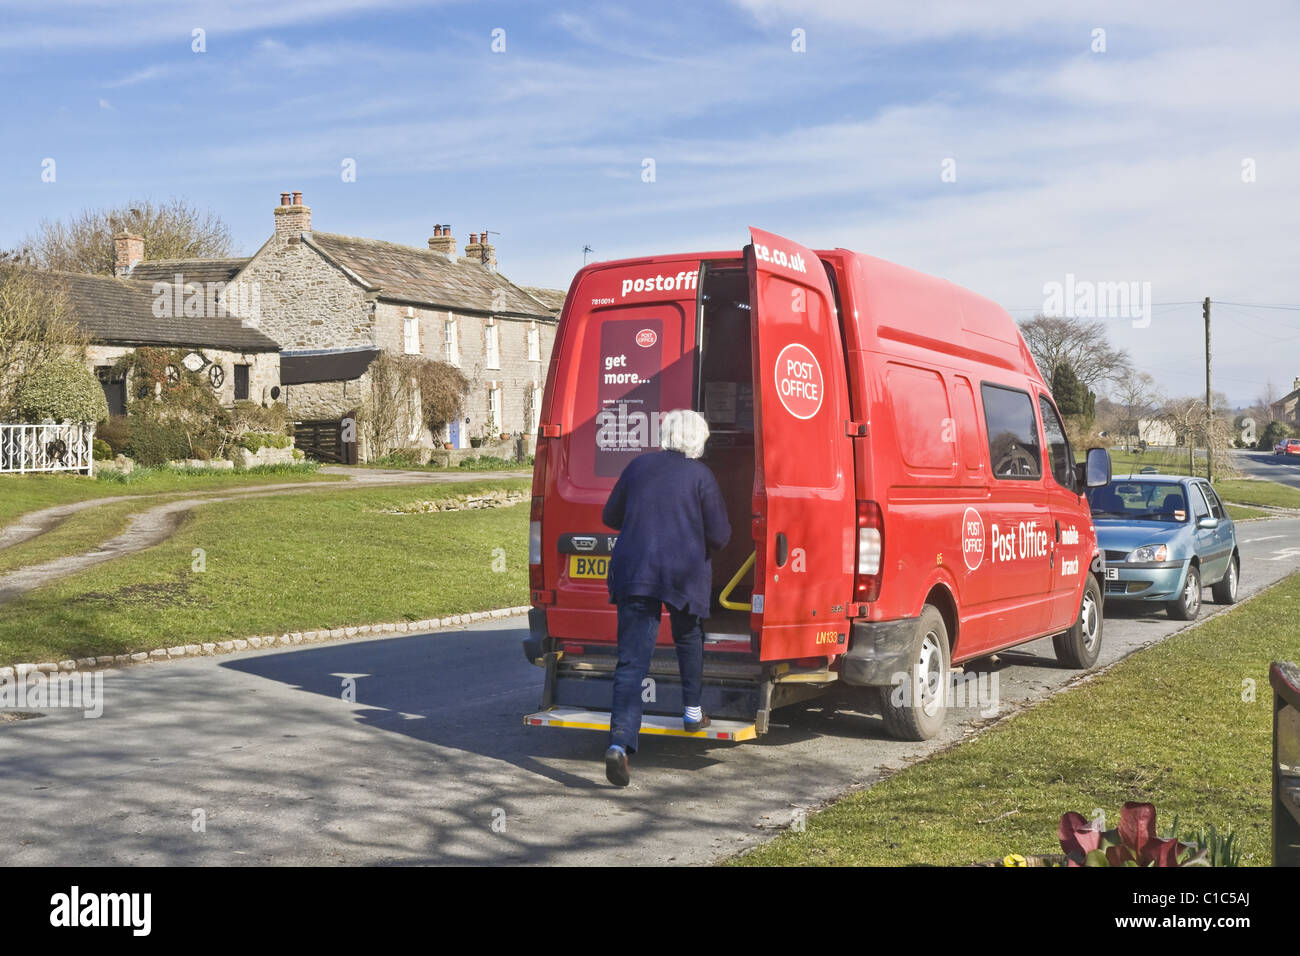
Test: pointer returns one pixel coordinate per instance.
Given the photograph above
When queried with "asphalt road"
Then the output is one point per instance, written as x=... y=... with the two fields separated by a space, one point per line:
x=431 y=763
x=1264 y=464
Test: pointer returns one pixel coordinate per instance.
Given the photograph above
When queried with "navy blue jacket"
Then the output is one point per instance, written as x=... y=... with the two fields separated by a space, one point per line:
x=669 y=513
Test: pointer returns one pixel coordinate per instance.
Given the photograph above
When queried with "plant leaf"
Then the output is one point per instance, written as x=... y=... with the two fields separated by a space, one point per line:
x=1137 y=825
x=1096 y=858
x=1077 y=836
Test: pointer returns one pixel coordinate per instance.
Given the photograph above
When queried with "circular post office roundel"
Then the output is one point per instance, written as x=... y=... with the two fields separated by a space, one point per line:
x=799 y=382
x=972 y=538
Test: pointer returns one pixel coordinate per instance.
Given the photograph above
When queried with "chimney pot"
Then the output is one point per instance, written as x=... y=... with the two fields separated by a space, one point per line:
x=292 y=219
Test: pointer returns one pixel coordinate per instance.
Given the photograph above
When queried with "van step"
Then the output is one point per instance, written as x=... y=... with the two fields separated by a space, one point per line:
x=576 y=718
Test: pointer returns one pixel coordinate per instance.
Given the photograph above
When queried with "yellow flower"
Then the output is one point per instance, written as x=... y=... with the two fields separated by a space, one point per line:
x=1014 y=859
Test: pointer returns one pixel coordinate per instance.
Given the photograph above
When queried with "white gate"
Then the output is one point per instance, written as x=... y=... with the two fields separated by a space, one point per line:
x=31 y=448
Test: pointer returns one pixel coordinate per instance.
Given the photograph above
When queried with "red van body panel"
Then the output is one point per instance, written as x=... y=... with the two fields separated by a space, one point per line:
x=873 y=389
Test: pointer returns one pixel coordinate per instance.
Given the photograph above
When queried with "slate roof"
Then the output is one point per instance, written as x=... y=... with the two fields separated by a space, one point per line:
x=120 y=312
x=421 y=276
x=192 y=270
x=553 y=299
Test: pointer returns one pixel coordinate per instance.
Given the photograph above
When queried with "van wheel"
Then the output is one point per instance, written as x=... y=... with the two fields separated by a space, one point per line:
x=1079 y=646
x=1225 y=592
x=915 y=707
x=1188 y=604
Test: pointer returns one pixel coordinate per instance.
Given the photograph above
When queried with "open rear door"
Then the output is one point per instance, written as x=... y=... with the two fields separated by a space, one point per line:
x=805 y=515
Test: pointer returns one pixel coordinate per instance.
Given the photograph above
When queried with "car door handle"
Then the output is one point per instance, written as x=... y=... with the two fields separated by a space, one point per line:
x=782 y=549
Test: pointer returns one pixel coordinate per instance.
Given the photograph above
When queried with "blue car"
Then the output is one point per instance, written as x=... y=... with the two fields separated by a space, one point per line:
x=1165 y=537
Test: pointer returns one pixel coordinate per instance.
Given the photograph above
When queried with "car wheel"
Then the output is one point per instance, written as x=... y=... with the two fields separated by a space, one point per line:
x=1188 y=604
x=915 y=707
x=1079 y=646
x=1225 y=592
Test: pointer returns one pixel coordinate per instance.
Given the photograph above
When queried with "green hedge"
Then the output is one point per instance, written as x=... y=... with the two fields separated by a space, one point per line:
x=63 y=390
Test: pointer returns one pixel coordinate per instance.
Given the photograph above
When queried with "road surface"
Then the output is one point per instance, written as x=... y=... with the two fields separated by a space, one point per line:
x=431 y=764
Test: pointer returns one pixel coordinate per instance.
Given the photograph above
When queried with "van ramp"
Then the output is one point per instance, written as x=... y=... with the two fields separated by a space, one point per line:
x=577 y=718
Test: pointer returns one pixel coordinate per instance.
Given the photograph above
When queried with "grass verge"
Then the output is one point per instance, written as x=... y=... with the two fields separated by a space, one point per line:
x=22 y=493
x=1258 y=492
x=1241 y=512
x=1167 y=725
x=283 y=563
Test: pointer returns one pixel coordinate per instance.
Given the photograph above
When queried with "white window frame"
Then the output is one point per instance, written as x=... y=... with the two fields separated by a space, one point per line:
x=492 y=345
x=534 y=343
x=494 y=410
x=452 y=333
x=415 y=409
x=411 y=335
x=537 y=406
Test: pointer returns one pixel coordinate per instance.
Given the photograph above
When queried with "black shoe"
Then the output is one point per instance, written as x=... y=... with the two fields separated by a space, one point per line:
x=694 y=726
x=616 y=767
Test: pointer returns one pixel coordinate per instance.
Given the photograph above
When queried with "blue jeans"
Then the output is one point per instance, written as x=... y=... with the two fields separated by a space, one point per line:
x=638 y=626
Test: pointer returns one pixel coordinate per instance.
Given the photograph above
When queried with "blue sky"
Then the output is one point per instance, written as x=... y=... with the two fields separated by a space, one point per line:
x=1122 y=165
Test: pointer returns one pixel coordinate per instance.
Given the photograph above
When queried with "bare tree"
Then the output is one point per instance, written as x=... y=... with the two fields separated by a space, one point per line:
x=1138 y=397
x=1053 y=340
x=1263 y=407
x=1188 y=419
x=172 y=230
x=35 y=329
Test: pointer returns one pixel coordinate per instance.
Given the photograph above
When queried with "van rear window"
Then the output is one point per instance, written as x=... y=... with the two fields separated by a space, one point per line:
x=1013 y=432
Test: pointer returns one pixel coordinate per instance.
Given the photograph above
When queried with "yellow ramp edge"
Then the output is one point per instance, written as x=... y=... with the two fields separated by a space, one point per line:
x=577 y=718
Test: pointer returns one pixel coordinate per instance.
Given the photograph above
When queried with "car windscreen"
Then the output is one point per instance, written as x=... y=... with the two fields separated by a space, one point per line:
x=1139 y=501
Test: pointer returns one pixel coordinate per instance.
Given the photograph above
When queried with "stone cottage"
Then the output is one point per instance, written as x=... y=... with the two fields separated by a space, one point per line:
x=333 y=302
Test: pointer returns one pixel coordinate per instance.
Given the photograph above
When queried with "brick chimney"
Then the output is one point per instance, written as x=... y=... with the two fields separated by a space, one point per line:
x=128 y=249
x=442 y=240
x=292 y=218
x=488 y=252
x=474 y=250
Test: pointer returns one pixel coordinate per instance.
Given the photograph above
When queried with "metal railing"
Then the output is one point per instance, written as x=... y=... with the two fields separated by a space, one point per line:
x=1285 y=679
x=25 y=449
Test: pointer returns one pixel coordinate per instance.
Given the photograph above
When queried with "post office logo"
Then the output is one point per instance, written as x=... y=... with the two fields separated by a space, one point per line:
x=972 y=538
x=799 y=382
x=646 y=338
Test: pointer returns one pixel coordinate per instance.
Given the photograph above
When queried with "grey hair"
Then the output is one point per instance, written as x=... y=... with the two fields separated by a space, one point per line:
x=685 y=431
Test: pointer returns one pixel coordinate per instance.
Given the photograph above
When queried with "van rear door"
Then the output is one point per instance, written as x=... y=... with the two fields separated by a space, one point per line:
x=625 y=355
x=805 y=514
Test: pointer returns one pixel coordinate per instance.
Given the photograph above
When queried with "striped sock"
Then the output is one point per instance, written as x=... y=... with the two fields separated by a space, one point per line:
x=694 y=714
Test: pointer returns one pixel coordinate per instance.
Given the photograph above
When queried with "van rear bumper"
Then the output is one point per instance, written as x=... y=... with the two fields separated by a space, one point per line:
x=877 y=651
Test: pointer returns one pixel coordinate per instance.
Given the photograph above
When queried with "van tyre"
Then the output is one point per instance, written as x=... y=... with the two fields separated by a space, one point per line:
x=1079 y=646
x=1225 y=592
x=1187 y=605
x=914 y=709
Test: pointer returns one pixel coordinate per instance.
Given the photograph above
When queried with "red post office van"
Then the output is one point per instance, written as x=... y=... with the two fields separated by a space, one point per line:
x=901 y=491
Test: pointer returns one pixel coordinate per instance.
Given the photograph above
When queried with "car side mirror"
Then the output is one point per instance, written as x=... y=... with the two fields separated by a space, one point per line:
x=1208 y=522
x=1097 y=468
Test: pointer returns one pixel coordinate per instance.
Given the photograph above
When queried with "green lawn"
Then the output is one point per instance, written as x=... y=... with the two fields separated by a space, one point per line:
x=282 y=563
x=1248 y=491
x=1241 y=512
x=79 y=532
x=1167 y=725
x=23 y=493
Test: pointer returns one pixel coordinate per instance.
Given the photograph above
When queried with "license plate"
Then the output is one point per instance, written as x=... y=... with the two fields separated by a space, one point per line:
x=1112 y=574
x=584 y=566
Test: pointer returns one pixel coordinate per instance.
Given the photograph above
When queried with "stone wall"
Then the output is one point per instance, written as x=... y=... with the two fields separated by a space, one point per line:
x=302 y=301
x=263 y=373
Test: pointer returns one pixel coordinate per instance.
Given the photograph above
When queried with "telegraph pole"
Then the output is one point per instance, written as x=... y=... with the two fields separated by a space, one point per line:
x=1209 y=407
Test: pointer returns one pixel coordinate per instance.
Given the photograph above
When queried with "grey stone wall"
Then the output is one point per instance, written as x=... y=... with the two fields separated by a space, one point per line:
x=263 y=375
x=303 y=302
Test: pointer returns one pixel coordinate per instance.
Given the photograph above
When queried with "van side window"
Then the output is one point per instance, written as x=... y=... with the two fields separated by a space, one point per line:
x=1013 y=432
x=1059 y=455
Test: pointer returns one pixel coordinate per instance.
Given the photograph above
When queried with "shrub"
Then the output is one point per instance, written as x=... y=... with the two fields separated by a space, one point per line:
x=156 y=441
x=116 y=431
x=103 y=450
x=401 y=458
x=63 y=390
x=255 y=441
x=1273 y=433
